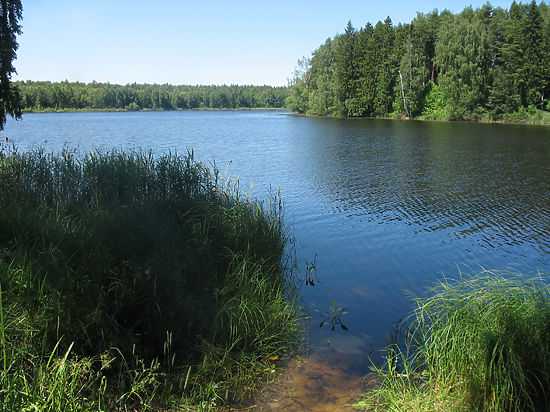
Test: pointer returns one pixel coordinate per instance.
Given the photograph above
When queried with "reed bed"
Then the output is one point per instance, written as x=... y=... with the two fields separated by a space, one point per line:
x=478 y=344
x=131 y=282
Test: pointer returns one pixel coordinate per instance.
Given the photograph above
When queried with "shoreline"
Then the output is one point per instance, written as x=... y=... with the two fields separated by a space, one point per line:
x=115 y=110
x=406 y=119
x=544 y=123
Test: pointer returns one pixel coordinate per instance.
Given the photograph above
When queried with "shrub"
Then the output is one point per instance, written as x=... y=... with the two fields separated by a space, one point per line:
x=133 y=107
x=435 y=107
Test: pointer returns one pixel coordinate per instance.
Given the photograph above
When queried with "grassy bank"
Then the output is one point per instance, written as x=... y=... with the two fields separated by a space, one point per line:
x=524 y=117
x=530 y=116
x=130 y=282
x=481 y=344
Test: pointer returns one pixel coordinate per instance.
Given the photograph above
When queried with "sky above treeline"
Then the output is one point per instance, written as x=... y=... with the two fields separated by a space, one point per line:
x=191 y=42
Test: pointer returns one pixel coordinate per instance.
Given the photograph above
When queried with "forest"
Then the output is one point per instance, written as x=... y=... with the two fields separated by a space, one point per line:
x=481 y=64
x=52 y=96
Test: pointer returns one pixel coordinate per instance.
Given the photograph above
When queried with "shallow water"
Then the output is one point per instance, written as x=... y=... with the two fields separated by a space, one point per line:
x=384 y=208
x=312 y=384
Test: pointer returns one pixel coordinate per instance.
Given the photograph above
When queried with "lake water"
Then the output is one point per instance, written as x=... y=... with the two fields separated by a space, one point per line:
x=386 y=207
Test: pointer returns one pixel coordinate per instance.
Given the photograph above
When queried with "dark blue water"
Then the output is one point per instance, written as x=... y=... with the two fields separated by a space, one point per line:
x=387 y=207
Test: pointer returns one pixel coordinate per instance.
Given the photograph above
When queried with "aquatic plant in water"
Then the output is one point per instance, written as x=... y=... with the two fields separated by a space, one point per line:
x=333 y=317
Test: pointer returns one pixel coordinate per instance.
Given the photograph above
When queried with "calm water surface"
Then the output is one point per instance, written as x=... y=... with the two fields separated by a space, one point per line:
x=387 y=207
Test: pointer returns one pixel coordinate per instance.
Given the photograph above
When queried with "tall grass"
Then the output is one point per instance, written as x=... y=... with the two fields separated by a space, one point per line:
x=136 y=281
x=480 y=344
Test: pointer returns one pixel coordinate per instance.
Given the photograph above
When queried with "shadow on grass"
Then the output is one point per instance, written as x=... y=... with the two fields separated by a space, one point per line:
x=132 y=281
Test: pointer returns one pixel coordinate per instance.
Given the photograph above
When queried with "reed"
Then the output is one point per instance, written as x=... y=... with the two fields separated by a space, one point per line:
x=137 y=281
x=479 y=344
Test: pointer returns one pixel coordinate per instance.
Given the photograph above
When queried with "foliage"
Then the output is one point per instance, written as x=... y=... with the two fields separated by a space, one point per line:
x=530 y=116
x=346 y=67
x=133 y=281
x=487 y=63
x=295 y=100
x=462 y=58
x=480 y=344
x=435 y=107
x=10 y=17
x=47 y=96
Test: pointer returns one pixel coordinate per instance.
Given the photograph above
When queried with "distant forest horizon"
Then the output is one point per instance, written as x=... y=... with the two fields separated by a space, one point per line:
x=489 y=63
x=46 y=95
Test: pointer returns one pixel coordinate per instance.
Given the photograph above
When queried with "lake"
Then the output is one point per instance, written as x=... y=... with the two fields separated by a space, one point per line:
x=383 y=208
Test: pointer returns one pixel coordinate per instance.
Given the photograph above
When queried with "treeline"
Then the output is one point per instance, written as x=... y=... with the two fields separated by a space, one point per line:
x=487 y=63
x=38 y=96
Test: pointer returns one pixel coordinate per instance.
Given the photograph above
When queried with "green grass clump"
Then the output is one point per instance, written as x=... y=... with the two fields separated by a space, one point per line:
x=481 y=344
x=130 y=282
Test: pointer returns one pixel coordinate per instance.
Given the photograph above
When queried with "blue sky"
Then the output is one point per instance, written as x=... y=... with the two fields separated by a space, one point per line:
x=190 y=42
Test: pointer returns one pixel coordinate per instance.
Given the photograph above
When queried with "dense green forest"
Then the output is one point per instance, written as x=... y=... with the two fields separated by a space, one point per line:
x=39 y=96
x=481 y=64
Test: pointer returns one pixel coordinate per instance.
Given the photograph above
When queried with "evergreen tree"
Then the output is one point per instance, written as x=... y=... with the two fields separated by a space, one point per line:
x=386 y=74
x=534 y=58
x=545 y=12
x=366 y=84
x=504 y=92
x=11 y=14
x=470 y=65
x=346 y=75
x=514 y=51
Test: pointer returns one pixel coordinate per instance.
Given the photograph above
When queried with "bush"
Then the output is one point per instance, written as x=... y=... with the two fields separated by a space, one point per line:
x=134 y=107
x=435 y=107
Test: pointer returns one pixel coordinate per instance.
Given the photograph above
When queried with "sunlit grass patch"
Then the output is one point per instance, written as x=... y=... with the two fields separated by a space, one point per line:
x=479 y=344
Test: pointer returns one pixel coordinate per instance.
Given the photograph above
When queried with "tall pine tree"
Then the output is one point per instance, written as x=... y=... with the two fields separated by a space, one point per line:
x=386 y=73
x=346 y=73
x=545 y=11
x=10 y=17
x=534 y=56
x=366 y=86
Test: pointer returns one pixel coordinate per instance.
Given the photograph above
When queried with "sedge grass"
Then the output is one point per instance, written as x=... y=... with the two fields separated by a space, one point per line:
x=135 y=282
x=479 y=344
